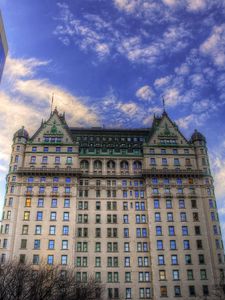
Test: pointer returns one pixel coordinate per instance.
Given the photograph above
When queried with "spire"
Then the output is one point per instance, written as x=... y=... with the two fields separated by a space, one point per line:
x=52 y=102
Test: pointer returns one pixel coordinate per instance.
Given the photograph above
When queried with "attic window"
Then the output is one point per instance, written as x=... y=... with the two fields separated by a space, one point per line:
x=168 y=141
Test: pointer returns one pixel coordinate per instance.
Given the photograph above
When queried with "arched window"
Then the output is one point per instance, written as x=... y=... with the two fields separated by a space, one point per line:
x=111 y=164
x=97 y=164
x=137 y=165
x=124 y=164
x=84 y=164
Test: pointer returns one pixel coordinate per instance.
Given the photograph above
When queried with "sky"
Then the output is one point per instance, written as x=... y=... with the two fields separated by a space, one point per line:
x=110 y=63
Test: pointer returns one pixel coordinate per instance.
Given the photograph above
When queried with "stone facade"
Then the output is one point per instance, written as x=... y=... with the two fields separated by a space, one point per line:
x=134 y=208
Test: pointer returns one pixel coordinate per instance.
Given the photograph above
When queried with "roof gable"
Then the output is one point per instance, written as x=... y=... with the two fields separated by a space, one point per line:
x=166 y=132
x=54 y=130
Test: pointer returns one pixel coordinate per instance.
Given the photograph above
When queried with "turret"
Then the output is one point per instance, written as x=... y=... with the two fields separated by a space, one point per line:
x=19 y=141
x=199 y=142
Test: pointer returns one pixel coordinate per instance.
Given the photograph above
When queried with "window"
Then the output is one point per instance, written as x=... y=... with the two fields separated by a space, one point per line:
x=171 y=230
x=176 y=162
x=64 y=259
x=199 y=244
x=23 y=244
x=50 y=259
x=33 y=159
x=186 y=244
x=40 y=202
x=127 y=276
x=126 y=247
x=128 y=293
x=164 y=161
x=191 y=290
x=157 y=217
x=25 y=229
x=67 y=203
x=65 y=230
x=205 y=290
x=66 y=216
x=37 y=244
x=161 y=260
x=158 y=230
x=36 y=259
x=175 y=274
x=168 y=203
x=52 y=230
x=163 y=291
x=169 y=217
x=184 y=230
x=152 y=161
x=190 y=275
x=64 y=244
x=173 y=245
x=53 y=216
x=69 y=149
x=26 y=216
x=39 y=216
x=69 y=160
x=181 y=203
x=38 y=229
x=97 y=247
x=174 y=260
x=45 y=159
x=183 y=217
x=127 y=262
x=159 y=245
x=57 y=160
x=203 y=274
x=28 y=202
x=126 y=232
x=51 y=244
x=177 y=291
x=162 y=275
x=156 y=203
x=188 y=260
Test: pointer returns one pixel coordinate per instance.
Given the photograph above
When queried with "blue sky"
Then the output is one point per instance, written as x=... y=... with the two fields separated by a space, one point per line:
x=110 y=62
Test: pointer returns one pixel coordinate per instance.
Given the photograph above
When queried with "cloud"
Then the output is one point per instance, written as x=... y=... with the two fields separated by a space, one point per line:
x=183 y=69
x=172 y=96
x=128 y=108
x=214 y=46
x=145 y=93
x=196 y=5
x=107 y=38
x=184 y=122
x=27 y=97
x=161 y=82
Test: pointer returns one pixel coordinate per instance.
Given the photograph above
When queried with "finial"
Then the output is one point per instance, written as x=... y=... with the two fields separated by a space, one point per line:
x=163 y=102
x=52 y=102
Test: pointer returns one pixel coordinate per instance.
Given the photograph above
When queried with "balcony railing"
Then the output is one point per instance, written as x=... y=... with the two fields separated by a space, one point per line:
x=48 y=171
x=172 y=172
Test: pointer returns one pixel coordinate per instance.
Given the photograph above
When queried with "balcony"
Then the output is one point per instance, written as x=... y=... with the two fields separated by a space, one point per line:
x=172 y=172
x=48 y=171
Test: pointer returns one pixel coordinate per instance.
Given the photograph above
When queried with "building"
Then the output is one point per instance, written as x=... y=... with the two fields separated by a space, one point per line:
x=134 y=207
x=3 y=46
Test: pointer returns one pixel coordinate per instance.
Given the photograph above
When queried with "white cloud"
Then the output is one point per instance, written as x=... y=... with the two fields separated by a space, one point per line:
x=196 y=5
x=183 y=69
x=185 y=121
x=200 y=106
x=128 y=6
x=162 y=82
x=172 y=96
x=128 y=108
x=214 y=46
x=145 y=93
x=28 y=99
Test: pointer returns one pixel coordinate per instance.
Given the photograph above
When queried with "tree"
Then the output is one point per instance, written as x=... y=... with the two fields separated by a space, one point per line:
x=24 y=282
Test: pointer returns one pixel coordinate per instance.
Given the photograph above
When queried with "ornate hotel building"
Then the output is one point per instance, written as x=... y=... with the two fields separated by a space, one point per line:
x=135 y=208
